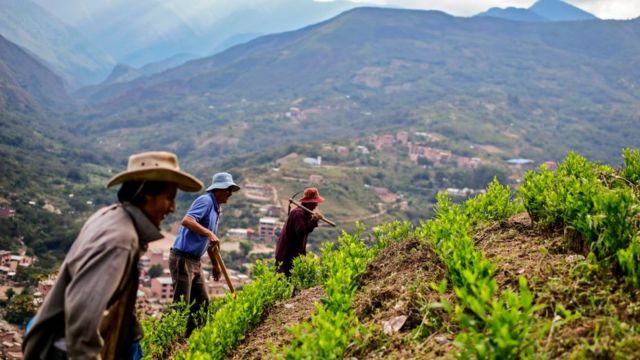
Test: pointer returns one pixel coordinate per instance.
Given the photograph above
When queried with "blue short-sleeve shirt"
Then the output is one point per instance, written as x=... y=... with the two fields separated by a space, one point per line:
x=206 y=212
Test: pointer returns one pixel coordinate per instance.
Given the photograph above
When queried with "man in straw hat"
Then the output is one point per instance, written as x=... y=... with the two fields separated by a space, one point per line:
x=90 y=311
x=198 y=231
x=292 y=241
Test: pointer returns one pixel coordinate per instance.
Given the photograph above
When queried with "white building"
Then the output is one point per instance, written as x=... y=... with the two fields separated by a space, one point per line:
x=313 y=161
x=267 y=228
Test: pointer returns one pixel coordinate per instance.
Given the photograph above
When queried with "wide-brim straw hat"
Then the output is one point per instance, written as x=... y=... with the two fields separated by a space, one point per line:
x=223 y=180
x=156 y=166
x=311 y=195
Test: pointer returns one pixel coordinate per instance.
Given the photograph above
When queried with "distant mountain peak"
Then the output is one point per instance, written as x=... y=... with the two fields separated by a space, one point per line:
x=558 y=10
x=542 y=10
x=122 y=73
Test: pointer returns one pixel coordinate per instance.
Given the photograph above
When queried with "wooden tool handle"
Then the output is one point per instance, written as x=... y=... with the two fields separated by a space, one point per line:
x=214 y=255
x=312 y=212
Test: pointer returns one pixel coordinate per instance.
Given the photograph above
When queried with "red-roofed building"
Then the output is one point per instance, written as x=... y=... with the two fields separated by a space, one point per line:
x=402 y=136
x=437 y=155
x=382 y=141
x=7 y=213
x=470 y=163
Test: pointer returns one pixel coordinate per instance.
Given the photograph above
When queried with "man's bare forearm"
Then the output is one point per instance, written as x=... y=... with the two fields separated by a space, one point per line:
x=191 y=224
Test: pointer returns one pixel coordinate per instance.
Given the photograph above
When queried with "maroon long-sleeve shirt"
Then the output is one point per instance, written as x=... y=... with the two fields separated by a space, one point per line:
x=292 y=241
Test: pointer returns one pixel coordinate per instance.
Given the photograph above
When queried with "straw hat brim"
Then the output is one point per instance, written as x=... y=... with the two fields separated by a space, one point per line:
x=184 y=181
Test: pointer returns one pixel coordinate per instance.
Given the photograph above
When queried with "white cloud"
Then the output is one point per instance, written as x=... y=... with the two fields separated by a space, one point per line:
x=610 y=9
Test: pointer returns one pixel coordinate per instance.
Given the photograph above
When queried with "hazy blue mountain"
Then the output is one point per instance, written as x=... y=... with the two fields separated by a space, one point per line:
x=542 y=10
x=558 y=10
x=512 y=13
x=278 y=16
x=168 y=63
x=235 y=40
x=25 y=83
x=63 y=48
x=562 y=84
x=122 y=73
x=140 y=32
x=144 y=31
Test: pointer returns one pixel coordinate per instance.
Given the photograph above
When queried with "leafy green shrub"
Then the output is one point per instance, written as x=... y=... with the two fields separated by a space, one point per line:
x=228 y=325
x=535 y=193
x=494 y=205
x=506 y=328
x=578 y=167
x=629 y=260
x=326 y=336
x=306 y=271
x=564 y=196
x=580 y=195
x=394 y=231
x=161 y=333
x=493 y=327
x=449 y=236
x=614 y=220
x=631 y=169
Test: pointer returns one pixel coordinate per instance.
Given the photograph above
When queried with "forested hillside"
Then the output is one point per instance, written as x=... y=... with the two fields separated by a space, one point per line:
x=42 y=162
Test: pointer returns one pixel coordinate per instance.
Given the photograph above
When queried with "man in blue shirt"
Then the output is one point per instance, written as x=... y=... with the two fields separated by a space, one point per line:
x=198 y=231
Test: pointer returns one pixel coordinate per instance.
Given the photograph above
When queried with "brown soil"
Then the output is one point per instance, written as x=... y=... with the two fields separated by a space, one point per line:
x=397 y=283
x=520 y=249
x=272 y=331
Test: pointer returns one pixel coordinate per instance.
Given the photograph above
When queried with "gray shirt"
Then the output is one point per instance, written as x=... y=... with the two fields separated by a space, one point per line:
x=95 y=274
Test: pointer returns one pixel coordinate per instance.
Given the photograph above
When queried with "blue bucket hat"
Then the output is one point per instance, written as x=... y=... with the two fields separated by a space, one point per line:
x=223 y=180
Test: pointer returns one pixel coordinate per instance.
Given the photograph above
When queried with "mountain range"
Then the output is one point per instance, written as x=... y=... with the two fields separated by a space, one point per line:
x=540 y=88
x=97 y=36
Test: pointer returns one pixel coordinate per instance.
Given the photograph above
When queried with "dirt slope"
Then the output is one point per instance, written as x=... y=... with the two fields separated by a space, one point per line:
x=273 y=330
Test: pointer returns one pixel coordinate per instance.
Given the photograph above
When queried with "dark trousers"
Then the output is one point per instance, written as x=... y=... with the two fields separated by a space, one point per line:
x=188 y=283
x=285 y=268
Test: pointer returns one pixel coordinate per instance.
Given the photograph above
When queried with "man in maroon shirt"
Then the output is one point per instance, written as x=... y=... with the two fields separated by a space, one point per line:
x=292 y=241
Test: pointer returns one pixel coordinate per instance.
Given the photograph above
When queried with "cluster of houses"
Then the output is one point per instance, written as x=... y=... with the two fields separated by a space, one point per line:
x=10 y=263
x=10 y=342
x=418 y=150
x=438 y=157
